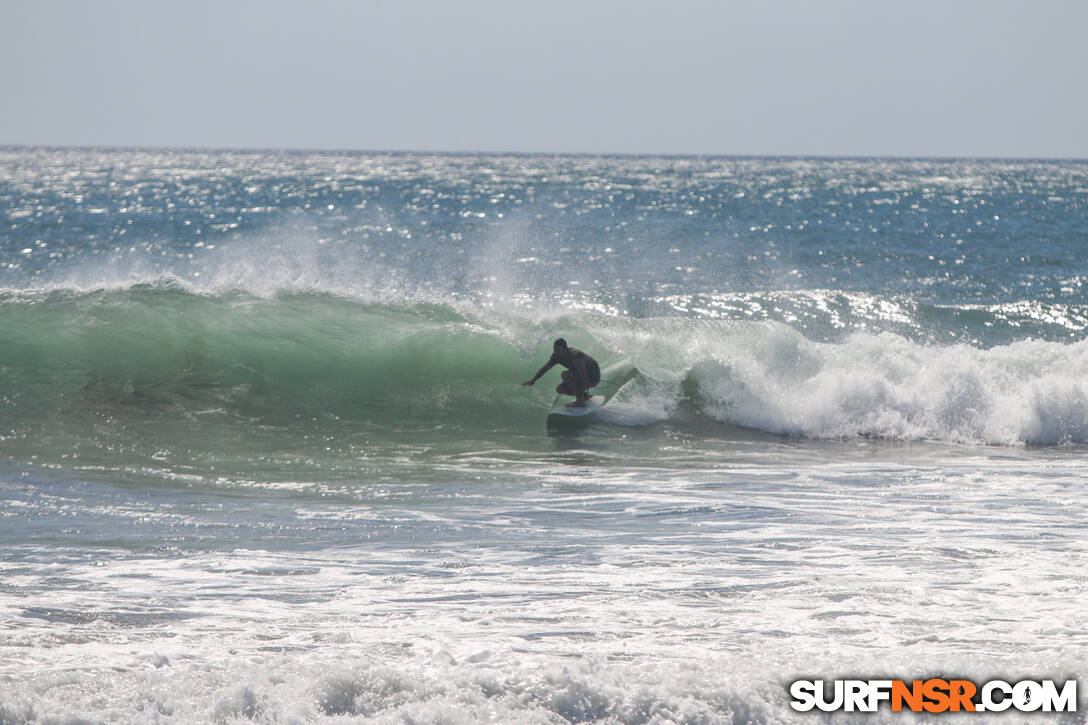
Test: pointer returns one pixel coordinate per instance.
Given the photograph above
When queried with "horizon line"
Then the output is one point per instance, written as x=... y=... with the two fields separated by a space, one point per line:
x=599 y=154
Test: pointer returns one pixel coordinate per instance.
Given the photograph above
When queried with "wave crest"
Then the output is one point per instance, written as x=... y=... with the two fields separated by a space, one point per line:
x=886 y=386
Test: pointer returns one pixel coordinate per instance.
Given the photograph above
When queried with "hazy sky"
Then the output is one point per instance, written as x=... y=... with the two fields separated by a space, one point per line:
x=834 y=77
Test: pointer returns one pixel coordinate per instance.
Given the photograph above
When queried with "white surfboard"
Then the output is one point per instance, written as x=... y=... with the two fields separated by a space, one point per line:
x=563 y=416
x=592 y=406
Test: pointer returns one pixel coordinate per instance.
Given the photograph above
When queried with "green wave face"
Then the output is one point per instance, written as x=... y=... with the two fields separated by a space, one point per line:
x=170 y=346
x=147 y=374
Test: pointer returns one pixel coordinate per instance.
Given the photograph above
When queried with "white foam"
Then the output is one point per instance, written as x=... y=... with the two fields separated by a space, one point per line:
x=769 y=377
x=567 y=590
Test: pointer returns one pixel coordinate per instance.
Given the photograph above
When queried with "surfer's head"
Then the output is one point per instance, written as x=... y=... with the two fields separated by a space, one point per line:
x=560 y=345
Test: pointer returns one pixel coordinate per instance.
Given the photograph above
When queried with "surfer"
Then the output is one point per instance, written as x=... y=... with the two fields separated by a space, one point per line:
x=582 y=372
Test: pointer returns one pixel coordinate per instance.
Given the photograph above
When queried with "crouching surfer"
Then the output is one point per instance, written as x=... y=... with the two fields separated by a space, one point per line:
x=582 y=372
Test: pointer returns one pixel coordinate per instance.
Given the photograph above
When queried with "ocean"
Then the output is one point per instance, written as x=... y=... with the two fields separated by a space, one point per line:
x=265 y=455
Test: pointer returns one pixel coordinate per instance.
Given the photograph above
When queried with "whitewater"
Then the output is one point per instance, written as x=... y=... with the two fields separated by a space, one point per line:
x=264 y=455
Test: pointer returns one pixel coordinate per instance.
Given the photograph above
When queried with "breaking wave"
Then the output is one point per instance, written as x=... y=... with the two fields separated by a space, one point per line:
x=125 y=357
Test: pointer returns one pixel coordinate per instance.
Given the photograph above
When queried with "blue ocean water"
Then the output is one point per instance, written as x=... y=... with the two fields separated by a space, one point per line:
x=264 y=455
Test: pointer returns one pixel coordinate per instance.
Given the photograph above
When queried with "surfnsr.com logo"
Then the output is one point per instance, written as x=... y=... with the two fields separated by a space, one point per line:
x=934 y=695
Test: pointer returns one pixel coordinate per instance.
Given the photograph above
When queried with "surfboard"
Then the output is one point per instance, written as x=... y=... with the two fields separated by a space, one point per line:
x=592 y=406
x=562 y=416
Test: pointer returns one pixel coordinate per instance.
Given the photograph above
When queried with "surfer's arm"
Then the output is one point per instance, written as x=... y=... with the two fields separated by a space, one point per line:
x=539 y=372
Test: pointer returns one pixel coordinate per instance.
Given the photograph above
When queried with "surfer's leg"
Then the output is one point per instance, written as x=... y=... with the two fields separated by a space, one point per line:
x=577 y=385
x=594 y=379
x=572 y=385
x=569 y=386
